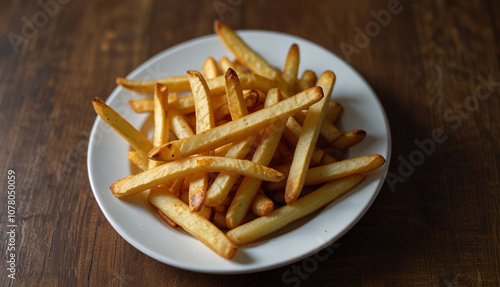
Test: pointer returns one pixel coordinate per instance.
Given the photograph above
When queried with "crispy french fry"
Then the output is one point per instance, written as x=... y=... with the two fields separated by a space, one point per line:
x=237 y=107
x=161 y=123
x=245 y=55
x=263 y=155
x=174 y=84
x=291 y=68
x=237 y=129
x=210 y=68
x=334 y=110
x=137 y=140
x=194 y=223
x=328 y=131
x=307 y=140
x=307 y=81
x=181 y=168
x=321 y=174
x=251 y=100
x=225 y=64
x=179 y=125
x=146 y=105
x=279 y=218
x=262 y=205
x=292 y=135
x=138 y=160
x=142 y=105
x=204 y=121
x=349 y=139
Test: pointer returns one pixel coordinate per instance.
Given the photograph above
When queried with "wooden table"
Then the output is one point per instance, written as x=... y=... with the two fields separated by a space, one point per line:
x=434 y=66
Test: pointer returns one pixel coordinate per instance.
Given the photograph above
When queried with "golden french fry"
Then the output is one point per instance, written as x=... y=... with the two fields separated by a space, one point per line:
x=142 y=105
x=225 y=64
x=210 y=68
x=281 y=217
x=181 y=168
x=139 y=161
x=292 y=135
x=328 y=131
x=161 y=130
x=238 y=128
x=263 y=155
x=135 y=138
x=195 y=224
x=262 y=205
x=291 y=68
x=307 y=140
x=349 y=139
x=334 y=110
x=224 y=182
x=179 y=125
x=243 y=53
x=307 y=81
x=321 y=174
x=251 y=100
x=174 y=84
x=204 y=121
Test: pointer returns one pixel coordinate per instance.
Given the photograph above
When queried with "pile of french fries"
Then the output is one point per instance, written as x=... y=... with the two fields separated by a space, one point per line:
x=240 y=148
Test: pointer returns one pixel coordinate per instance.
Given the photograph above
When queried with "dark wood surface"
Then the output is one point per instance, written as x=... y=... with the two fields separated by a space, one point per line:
x=434 y=65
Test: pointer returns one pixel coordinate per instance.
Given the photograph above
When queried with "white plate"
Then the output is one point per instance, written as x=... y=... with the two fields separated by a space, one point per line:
x=135 y=221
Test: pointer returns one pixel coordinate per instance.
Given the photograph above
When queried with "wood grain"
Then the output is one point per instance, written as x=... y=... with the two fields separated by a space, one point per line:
x=430 y=65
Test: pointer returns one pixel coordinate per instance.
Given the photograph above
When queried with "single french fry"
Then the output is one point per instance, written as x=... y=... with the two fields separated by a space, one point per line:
x=194 y=223
x=340 y=169
x=164 y=217
x=307 y=81
x=291 y=68
x=224 y=182
x=262 y=205
x=243 y=53
x=204 y=121
x=174 y=84
x=328 y=131
x=307 y=140
x=225 y=64
x=138 y=160
x=251 y=100
x=219 y=220
x=292 y=135
x=210 y=68
x=145 y=105
x=161 y=130
x=349 y=139
x=237 y=129
x=263 y=155
x=181 y=168
x=333 y=112
x=135 y=138
x=179 y=125
x=281 y=217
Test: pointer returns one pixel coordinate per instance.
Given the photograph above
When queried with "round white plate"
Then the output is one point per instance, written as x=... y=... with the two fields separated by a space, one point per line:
x=136 y=222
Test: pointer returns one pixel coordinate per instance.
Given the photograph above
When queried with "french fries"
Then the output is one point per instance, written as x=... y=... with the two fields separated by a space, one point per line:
x=238 y=128
x=307 y=140
x=287 y=214
x=195 y=224
x=183 y=167
x=235 y=157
